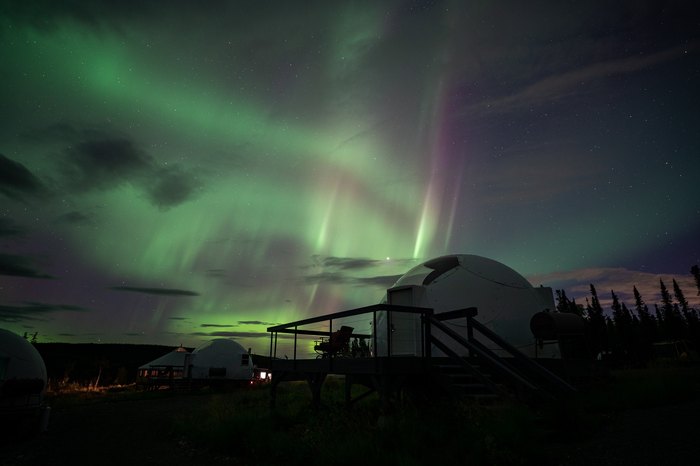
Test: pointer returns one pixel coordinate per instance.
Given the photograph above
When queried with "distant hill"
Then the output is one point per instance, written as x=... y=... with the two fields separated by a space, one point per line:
x=81 y=362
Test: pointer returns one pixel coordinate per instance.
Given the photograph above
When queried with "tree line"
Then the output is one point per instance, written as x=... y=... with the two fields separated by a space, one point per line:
x=629 y=335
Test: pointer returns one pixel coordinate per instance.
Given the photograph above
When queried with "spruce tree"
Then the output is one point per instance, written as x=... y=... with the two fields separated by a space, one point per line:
x=647 y=329
x=640 y=306
x=562 y=301
x=680 y=297
x=672 y=315
x=565 y=304
x=695 y=270
x=599 y=328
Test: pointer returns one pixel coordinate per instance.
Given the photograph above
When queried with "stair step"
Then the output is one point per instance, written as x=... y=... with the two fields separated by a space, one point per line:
x=471 y=386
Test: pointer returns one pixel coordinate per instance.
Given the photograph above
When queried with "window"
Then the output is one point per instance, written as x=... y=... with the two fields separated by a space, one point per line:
x=245 y=358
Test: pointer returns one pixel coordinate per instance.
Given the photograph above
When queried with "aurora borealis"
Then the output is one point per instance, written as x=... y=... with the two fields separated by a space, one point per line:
x=173 y=171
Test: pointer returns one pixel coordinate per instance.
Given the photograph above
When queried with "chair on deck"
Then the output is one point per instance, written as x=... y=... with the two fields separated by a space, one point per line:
x=338 y=342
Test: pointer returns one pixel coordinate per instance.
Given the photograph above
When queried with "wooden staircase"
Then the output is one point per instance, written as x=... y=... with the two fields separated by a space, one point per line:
x=464 y=383
x=485 y=374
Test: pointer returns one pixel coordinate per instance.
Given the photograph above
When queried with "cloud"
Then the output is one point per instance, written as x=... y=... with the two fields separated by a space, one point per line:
x=384 y=281
x=105 y=163
x=16 y=181
x=18 y=266
x=98 y=160
x=178 y=318
x=351 y=270
x=235 y=334
x=10 y=229
x=171 y=186
x=74 y=218
x=217 y=325
x=347 y=263
x=31 y=311
x=48 y=14
x=576 y=284
x=559 y=86
x=155 y=291
x=339 y=278
x=328 y=277
x=255 y=322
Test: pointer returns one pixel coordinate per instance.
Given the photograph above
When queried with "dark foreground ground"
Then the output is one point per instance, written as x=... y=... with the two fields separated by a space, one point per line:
x=155 y=429
x=119 y=431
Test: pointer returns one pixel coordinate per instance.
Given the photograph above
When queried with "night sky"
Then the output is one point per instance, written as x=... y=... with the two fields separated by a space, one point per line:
x=173 y=171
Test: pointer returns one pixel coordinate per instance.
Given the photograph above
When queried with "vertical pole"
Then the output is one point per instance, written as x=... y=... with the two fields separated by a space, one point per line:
x=374 y=337
x=374 y=333
x=427 y=334
x=470 y=332
x=388 y=333
x=271 y=339
x=330 y=353
x=295 y=347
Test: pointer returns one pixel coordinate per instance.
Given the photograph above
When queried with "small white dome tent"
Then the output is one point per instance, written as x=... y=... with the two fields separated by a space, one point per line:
x=23 y=382
x=171 y=365
x=221 y=359
x=505 y=300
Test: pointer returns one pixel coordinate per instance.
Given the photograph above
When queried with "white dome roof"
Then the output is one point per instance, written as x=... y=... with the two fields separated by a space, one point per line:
x=505 y=299
x=220 y=345
x=19 y=360
x=217 y=352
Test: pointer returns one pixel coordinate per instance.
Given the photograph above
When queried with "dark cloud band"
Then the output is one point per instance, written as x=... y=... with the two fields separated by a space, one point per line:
x=155 y=291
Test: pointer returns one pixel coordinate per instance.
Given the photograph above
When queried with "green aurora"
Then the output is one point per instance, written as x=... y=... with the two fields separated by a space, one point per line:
x=178 y=171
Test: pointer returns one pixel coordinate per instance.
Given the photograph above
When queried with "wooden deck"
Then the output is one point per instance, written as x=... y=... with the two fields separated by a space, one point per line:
x=389 y=370
x=396 y=365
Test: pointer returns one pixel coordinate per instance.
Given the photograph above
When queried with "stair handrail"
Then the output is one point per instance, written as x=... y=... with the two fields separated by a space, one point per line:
x=518 y=355
x=480 y=350
x=464 y=363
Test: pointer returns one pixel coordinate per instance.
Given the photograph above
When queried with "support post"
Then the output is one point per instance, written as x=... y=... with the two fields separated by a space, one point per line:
x=315 y=384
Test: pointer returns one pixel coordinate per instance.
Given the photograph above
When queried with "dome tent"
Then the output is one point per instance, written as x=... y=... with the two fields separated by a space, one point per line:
x=23 y=381
x=505 y=300
x=221 y=359
x=170 y=365
x=19 y=360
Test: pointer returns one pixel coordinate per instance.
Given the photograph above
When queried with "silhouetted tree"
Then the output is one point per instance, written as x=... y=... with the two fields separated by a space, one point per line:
x=646 y=332
x=680 y=297
x=599 y=328
x=565 y=304
x=562 y=300
x=673 y=322
x=660 y=319
x=695 y=270
x=640 y=306
x=622 y=319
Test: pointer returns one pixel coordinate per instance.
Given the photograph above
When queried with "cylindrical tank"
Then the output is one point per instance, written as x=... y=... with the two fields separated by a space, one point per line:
x=505 y=300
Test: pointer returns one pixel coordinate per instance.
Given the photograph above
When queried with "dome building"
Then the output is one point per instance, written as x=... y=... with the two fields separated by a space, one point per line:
x=505 y=300
x=23 y=382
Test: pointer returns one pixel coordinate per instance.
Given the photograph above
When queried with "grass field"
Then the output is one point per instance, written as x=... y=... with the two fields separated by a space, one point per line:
x=637 y=417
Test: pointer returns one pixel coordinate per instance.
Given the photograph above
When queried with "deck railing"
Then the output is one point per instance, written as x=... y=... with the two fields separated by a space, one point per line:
x=383 y=318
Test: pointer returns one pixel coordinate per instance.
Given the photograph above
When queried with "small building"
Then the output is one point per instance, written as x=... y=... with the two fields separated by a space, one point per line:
x=217 y=362
x=165 y=369
x=221 y=359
